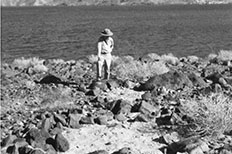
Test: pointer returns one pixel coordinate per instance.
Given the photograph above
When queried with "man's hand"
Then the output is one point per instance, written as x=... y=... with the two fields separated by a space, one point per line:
x=98 y=58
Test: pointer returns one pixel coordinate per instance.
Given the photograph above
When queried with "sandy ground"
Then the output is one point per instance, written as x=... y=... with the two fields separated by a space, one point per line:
x=111 y=138
x=137 y=135
x=124 y=94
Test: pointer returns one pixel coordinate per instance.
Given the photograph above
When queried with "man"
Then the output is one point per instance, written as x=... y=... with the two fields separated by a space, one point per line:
x=105 y=46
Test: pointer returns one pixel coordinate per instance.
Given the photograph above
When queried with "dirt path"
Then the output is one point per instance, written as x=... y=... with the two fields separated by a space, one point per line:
x=112 y=138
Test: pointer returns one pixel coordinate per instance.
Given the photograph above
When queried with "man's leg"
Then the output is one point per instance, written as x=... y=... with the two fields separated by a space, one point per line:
x=107 y=66
x=100 y=62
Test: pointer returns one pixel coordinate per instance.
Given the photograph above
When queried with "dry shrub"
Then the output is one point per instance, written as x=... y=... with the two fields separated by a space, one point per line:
x=39 y=68
x=21 y=63
x=128 y=68
x=212 y=56
x=92 y=59
x=122 y=60
x=150 y=57
x=35 y=64
x=193 y=59
x=225 y=55
x=56 y=61
x=153 y=56
x=212 y=114
x=170 y=59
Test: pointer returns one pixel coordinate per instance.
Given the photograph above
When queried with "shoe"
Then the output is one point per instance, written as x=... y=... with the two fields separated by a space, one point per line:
x=98 y=78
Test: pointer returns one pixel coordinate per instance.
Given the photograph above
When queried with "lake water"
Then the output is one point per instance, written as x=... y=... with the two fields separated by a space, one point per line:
x=72 y=32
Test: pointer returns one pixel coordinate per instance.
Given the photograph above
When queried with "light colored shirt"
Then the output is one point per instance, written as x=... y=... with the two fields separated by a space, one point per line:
x=105 y=46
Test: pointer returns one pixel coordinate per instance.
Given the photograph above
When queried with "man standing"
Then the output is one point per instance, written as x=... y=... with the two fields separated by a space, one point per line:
x=105 y=46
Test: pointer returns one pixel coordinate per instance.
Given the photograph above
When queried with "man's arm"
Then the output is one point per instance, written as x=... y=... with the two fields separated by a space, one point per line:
x=99 y=48
x=112 y=43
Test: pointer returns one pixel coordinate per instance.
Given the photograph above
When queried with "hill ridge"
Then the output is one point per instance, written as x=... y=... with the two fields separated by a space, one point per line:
x=105 y=2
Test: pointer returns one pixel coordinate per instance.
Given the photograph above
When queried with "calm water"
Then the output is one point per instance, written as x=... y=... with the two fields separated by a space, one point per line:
x=71 y=32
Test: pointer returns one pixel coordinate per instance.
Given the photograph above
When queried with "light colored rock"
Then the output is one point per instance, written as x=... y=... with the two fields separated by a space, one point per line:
x=171 y=138
x=204 y=146
x=124 y=94
x=197 y=150
x=201 y=148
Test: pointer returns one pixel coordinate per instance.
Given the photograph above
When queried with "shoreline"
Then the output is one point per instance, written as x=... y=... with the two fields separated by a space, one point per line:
x=123 y=5
x=10 y=60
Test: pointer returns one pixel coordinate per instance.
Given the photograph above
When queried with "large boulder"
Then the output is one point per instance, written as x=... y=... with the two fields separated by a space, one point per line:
x=120 y=106
x=102 y=85
x=147 y=109
x=218 y=78
x=74 y=120
x=61 y=143
x=60 y=118
x=50 y=79
x=114 y=83
x=170 y=80
x=197 y=80
x=37 y=138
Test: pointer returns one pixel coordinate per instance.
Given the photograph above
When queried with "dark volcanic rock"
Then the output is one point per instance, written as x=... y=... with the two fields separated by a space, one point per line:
x=87 y=120
x=99 y=84
x=50 y=79
x=214 y=77
x=37 y=138
x=25 y=150
x=101 y=120
x=192 y=145
x=94 y=92
x=120 y=106
x=125 y=150
x=12 y=150
x=147 y=109
x=170 y=80
x=61 y=143
x=217 y=78
x=99 y=152
x=60 y=118
x=113 y=83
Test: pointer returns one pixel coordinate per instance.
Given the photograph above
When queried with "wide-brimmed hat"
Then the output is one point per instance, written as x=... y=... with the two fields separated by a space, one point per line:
x=107 y=32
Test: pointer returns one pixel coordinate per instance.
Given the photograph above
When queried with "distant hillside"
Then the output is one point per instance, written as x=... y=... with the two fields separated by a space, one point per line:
x=105 y=2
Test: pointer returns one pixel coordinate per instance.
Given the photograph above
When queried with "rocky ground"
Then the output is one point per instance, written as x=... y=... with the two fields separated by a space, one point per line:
x=56 y=106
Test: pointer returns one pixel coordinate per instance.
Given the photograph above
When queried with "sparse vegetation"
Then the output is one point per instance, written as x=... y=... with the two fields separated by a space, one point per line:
x=212 y=114
x=170 y=59
x=128 y=68
x=225 y=55
x=34 y=64
x=69 y=90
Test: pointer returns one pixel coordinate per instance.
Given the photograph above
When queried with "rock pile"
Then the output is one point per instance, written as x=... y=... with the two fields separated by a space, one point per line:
x=39 y=109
